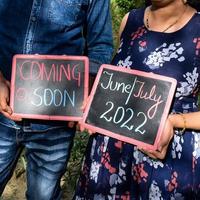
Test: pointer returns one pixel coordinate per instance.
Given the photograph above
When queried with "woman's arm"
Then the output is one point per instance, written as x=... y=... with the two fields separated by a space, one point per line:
x=174 y=121
x=186 y=120
x=123 y=24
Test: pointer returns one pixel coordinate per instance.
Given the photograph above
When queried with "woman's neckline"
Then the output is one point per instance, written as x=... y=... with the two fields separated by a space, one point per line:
x=174 y=32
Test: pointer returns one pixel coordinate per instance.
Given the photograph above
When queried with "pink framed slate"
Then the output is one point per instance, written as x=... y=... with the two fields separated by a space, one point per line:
x=129 y=105
x=49 y=87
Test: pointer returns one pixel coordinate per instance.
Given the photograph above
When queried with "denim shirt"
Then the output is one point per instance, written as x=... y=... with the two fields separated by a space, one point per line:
x=59 y=27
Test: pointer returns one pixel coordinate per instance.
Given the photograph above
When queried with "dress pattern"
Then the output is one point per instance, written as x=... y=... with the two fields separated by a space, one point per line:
x=114 y=170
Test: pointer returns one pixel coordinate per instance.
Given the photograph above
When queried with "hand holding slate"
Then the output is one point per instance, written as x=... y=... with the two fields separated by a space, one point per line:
x=49 y=87
x=130 y=105
x=71 y=124
x=165 y=139
x=5 y=109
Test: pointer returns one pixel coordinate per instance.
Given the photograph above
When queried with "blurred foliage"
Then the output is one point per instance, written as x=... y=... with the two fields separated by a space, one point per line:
x=118 y=9
x=127 y=5
x=74 y=166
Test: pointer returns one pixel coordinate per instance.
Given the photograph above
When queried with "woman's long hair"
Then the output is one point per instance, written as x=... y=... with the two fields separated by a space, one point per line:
x=195 y=4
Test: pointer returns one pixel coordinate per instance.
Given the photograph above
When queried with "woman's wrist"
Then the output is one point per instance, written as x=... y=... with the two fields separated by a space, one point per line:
x=171 y=118
x=184 y=123
x=178 y=121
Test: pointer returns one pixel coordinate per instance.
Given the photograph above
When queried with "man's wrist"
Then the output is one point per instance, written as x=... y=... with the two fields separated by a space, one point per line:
x=3 y=80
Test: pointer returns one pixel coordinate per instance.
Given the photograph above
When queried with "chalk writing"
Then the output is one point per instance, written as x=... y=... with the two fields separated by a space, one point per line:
x=129 y=105
x=119 y=115
x=49 y=97
x=136 y=89
x=35 y=70
x=53 y=86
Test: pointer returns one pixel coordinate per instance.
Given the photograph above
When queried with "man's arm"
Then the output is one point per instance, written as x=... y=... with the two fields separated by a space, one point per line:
x=98 y=34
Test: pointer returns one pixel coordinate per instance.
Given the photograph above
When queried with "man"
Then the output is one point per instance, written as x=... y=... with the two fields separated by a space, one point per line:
x=71 y=27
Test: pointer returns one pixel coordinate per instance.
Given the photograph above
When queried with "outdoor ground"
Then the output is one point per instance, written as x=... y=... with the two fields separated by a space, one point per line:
x=15 y=190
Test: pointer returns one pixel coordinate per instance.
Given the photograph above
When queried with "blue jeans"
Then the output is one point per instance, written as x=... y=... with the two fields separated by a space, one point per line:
x=47 y=152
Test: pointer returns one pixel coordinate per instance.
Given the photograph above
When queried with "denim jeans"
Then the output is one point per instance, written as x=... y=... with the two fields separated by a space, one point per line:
x=47 y=152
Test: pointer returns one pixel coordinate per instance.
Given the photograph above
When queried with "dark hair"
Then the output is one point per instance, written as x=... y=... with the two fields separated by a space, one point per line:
x=147 y=2
x=194 y=3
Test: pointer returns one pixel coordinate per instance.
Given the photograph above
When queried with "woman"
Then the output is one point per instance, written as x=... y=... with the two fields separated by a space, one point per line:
x=164 y=39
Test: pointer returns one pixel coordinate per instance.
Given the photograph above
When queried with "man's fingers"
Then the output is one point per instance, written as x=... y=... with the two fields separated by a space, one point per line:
x=71 y=124
x=12 y=117
x=8 y=84
x=4 y=98
x=15 y=118
x=5 y=108
x=5 y=114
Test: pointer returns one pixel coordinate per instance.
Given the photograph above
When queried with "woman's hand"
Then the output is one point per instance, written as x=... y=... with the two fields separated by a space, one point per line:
x=163 y=144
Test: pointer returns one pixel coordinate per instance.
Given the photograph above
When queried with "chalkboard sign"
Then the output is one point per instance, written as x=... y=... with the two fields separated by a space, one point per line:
x=129 y=105
x=48 y=86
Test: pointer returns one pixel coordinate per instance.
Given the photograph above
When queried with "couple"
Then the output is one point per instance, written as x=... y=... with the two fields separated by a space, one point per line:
x=112 y=169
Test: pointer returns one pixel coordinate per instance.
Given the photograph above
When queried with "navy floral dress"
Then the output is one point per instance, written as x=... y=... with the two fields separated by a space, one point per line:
x=114 y=170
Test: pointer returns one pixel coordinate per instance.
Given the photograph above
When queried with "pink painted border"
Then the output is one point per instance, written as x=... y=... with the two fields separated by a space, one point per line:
x=56 y=57
x=124 y=138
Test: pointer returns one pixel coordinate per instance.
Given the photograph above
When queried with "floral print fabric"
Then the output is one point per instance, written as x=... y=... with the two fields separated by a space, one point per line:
x=114 y=170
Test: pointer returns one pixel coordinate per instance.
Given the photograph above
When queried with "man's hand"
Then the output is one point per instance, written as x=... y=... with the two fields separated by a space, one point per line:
x=80 y=125
x=5 y=109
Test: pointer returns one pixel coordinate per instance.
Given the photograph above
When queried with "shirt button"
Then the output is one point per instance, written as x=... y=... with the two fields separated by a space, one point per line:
x=33 y=19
